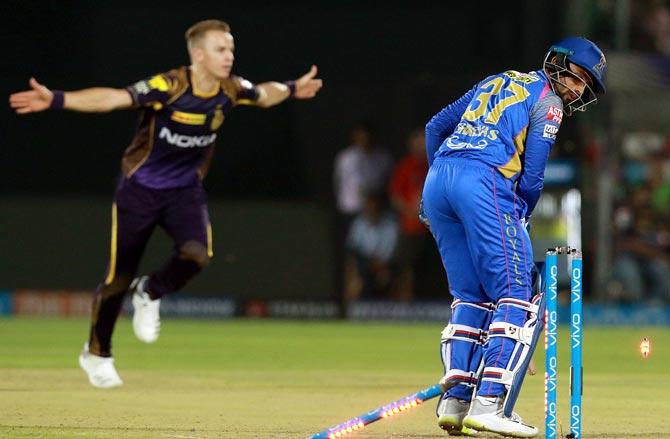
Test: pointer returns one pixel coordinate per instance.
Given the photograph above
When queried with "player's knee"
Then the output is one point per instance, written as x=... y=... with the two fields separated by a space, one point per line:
x=196 y=252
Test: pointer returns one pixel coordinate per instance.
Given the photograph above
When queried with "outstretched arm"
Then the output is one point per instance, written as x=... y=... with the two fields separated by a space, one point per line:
x=273 y=93
x=88 y=100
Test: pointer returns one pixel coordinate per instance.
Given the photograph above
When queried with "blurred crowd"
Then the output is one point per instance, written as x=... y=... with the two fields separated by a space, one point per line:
x=383 y=249
x=641 y=263
x=380 y=239
x=650 y=31
x=647 y=26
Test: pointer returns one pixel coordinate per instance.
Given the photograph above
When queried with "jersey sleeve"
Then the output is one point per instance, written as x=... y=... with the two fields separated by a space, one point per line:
x=152 y=92
x=545 y=120
x=444 y=123
x=240 y=91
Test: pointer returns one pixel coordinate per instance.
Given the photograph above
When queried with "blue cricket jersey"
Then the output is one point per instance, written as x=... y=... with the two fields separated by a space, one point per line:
x=508 y=121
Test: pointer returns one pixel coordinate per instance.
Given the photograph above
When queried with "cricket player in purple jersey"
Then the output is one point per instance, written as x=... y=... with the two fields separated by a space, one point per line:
x=181 y=112
x=487 y=153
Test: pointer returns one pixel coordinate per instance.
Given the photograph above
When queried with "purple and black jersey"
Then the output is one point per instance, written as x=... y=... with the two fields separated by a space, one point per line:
x=177 y=131
x=163 y=167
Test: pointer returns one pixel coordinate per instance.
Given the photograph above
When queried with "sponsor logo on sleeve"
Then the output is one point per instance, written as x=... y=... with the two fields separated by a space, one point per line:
x=158 y=82
x=141 y=87
x=550 y=131
x=246 y=84
x=555 y=114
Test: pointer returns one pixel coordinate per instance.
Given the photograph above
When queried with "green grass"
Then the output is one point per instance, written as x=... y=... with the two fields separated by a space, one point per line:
x=285 y=379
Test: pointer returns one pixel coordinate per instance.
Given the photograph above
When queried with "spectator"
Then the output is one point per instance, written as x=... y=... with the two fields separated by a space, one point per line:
x=405 y=191
x=641 y=267
x=658 y=26
x=361 y=168
x=658 y=173
x=371 y=243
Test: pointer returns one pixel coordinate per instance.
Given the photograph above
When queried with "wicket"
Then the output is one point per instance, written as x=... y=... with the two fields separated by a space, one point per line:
x=551 y=341
x=383 y=412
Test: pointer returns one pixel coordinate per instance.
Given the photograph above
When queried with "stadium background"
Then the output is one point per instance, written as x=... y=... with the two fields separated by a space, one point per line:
x=270 y=185
x=273 y=213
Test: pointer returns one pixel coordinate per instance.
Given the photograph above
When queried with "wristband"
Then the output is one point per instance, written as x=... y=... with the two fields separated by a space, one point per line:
x=58 y=100
x=291 y=88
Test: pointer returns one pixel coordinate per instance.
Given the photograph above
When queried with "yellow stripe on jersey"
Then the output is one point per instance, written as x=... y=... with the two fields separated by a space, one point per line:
x=513 y=166
x=159 y=83
x=112 y=256
x=210 y=246
x=245 y=102
x=188 y=118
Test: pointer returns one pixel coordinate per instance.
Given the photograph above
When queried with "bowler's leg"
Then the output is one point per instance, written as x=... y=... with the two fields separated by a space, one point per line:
x=131 y=230
x=186 y=220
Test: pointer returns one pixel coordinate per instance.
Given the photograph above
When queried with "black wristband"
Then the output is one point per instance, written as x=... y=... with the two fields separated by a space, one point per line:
x=58 y=100
x=291 y=88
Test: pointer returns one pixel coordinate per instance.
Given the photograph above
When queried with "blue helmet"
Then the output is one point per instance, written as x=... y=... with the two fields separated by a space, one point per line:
x=585 y=54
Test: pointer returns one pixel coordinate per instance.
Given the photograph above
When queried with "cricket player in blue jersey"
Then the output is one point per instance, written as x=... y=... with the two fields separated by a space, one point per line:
x=487 y=153
x=181 y=112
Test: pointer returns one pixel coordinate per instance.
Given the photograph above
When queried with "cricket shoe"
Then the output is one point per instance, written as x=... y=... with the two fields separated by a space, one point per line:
x=100 y=370
x=486 y=414
x=146 y=315
x=450 y=414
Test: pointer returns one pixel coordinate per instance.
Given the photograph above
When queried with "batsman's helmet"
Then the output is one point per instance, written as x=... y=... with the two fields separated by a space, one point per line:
x=585 y=54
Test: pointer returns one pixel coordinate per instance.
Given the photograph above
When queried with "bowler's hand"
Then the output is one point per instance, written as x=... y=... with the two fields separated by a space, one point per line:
x=31 y=101
x=307 y=86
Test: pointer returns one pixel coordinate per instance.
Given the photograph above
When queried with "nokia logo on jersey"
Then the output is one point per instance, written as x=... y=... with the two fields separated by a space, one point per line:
x=183 y=141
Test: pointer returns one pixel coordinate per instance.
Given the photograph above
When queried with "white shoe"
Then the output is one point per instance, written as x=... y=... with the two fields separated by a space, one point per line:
x=486 y=414
x=146 y=317
x=100 y=370
x=450 y=414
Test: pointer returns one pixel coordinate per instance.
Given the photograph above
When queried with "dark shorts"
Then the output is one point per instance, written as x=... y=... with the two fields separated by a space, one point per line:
x=137 y=210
